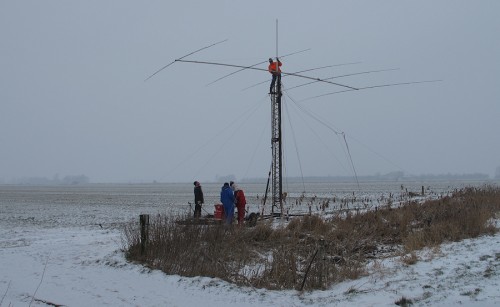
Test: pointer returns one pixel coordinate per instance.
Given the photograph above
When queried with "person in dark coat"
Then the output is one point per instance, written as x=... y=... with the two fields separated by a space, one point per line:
x=227 y=200
x=198 y=199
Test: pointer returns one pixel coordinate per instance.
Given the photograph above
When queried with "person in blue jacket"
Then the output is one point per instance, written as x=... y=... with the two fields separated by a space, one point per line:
x=227 y=200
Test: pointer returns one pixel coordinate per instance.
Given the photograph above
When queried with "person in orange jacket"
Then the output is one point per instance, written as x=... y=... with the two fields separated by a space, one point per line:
x=274 y=69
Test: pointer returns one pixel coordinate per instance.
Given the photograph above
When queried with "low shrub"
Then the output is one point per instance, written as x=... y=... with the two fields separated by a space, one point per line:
x=310 y=252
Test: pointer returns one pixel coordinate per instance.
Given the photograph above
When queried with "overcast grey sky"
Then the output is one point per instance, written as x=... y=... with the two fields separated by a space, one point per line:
x=73 y=99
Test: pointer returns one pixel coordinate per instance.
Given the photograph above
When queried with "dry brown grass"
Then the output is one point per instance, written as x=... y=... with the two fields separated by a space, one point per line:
x=310 y=252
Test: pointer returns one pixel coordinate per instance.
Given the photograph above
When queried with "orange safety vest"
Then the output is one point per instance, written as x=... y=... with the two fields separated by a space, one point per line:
x=272 y=67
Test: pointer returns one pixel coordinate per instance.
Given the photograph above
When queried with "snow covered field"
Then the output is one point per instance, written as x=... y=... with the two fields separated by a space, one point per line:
x=69 y=253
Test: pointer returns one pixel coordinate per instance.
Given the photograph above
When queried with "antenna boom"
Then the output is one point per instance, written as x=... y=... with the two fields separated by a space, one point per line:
x=262 y=69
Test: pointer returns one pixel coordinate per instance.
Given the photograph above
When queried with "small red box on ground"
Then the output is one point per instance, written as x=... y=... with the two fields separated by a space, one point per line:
x=219 y=212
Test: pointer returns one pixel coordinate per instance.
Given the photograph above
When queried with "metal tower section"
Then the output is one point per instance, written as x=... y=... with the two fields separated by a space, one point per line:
x=277 y=151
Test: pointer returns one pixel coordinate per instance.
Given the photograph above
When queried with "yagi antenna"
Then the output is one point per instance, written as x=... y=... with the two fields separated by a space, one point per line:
x=183 y=58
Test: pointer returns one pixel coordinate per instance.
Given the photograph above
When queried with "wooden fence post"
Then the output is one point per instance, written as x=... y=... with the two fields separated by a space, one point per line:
x=144 y=219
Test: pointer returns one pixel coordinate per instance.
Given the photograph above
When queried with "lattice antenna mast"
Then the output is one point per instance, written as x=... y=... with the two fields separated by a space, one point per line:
x=276 y=140
x=276 y=173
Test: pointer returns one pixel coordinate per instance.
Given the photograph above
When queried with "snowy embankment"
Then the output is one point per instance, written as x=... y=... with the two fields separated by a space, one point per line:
x=84 y=266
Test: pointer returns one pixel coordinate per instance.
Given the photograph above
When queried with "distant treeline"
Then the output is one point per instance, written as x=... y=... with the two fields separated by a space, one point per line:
x=66 y=180
x=393 y=176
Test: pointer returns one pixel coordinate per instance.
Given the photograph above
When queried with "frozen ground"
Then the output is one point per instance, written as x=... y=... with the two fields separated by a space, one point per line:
x=85 y=267
x=47 y=262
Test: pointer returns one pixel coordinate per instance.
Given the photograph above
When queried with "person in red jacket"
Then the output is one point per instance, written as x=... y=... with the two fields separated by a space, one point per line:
x=275 y=70
x=240 y=201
